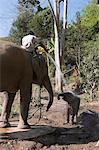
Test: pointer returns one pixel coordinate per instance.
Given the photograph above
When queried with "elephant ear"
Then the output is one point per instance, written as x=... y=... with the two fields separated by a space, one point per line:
x=39 y=66
x=39 y=60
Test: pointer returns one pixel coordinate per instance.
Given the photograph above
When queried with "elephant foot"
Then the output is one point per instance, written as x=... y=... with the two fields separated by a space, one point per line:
x=23 y=126
x=4 y=124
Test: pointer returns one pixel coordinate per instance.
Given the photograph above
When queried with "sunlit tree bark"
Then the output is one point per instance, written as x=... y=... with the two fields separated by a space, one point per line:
x=63 y=30
x=57 y=46
x=63 y=36
x=55 y=13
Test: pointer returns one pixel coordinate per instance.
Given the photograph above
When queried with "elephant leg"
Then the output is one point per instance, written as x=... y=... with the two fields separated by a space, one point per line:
x=68 y=114
x=38 y=97
x=76 y=116
x=48 y=86
x=73 y=116
x=7 y=104
x=25 y=98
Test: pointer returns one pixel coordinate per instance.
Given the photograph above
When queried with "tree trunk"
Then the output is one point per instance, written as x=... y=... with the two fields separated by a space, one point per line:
x=57 y=46
x=62 y=42
x=64 y=28
x=56 y=13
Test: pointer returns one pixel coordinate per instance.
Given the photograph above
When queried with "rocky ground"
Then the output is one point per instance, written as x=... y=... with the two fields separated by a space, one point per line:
x=62 y=136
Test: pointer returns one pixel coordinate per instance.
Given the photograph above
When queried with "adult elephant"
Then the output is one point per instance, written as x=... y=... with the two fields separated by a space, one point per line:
x=16 y=72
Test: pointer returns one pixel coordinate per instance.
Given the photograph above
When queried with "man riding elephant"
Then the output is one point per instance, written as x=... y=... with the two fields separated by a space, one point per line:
x=16 y=73
x=29 y=44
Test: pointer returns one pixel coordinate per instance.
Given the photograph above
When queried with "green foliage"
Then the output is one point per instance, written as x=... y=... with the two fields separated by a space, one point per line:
x=82 y=48
x=20 y=27
x=27 y=2
x=90 y=64
x=42 y=24
x=74 y=37
x=29 y=5
x=51 y=45
x=81 y=38
x=90 y=15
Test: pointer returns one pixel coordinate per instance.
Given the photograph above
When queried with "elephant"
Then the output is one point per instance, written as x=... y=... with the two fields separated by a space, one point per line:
x=17 y=72
x=73 y=101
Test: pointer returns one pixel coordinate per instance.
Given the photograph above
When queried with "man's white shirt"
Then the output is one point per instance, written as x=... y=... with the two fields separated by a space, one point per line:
x=27 y=41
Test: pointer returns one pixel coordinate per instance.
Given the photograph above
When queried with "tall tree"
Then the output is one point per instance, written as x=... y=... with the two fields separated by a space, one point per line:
x=63 y=30
x=62 y=41
x=26 y=9
x=29 y=5
x=57 y=46
x=40 y=22
x=82 y=43
x=55 y=14
x=90 y=15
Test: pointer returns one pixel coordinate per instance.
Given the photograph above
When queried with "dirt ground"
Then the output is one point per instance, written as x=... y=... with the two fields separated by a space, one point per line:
x=64 y=136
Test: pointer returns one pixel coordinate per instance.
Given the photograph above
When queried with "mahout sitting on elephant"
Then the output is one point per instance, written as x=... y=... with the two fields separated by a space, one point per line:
x=17 y=72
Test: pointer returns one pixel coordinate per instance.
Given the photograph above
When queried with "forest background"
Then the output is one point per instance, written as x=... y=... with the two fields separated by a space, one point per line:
x=81 y=41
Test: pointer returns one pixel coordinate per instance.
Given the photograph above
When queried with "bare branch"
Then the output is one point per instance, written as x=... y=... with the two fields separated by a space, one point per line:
x=52 y=11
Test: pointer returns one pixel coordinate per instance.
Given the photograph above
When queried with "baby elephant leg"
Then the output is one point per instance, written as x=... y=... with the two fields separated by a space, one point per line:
x=73 y=115
x=68 y=114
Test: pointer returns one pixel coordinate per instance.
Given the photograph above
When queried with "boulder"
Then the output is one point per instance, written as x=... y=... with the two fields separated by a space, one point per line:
x=89 y=120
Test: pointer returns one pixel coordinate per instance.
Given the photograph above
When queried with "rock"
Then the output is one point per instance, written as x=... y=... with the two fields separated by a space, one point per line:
x=89 y=120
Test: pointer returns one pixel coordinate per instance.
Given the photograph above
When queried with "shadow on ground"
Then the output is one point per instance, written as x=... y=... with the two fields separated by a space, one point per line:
x=48 y=135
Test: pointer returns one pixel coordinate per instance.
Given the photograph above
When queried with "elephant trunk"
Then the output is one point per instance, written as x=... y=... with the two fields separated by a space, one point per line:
x=48 y=86
x=50 y=102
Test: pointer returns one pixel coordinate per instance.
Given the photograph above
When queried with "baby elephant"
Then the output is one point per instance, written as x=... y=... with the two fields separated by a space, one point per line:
x=73 y=101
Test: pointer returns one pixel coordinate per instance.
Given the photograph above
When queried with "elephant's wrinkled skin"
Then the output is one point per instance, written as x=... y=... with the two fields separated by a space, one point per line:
x=40 y=76
x=16 y=72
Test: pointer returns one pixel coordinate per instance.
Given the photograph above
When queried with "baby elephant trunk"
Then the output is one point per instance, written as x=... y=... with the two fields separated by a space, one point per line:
x=60 y=95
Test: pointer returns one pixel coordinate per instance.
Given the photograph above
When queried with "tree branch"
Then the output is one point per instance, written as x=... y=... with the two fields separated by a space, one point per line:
x=52 y=11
